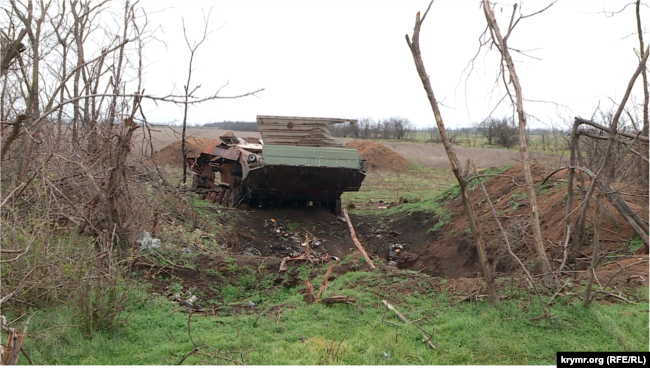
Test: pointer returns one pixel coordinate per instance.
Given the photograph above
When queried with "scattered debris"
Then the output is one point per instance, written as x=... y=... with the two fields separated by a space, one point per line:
x=394 y=251
x=147 y=242
x=252 y=251
x=185 y=299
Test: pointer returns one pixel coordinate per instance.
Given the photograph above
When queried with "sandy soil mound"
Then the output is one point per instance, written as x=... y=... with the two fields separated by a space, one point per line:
x=173 y=155
x=380 y=157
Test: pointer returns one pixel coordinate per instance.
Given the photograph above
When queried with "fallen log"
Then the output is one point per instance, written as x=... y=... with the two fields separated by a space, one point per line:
x=356 y=241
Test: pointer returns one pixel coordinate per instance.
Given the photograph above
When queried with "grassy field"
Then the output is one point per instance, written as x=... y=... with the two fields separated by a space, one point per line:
x=414 y=185
x=283 y=330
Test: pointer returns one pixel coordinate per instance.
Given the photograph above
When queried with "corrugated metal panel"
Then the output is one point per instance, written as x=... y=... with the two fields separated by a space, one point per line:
x=299 y=131
x=313 y=157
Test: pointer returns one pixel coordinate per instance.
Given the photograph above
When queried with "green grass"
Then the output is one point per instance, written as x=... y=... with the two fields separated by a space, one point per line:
x=635 y=243
x=415 y=185
x=535 y=142
x=424 y=198
x=465 y=333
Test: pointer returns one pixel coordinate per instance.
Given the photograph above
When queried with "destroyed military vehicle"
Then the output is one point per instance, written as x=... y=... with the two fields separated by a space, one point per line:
x=297 y=162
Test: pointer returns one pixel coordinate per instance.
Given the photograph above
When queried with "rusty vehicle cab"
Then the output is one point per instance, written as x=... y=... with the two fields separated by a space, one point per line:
x=299 y=163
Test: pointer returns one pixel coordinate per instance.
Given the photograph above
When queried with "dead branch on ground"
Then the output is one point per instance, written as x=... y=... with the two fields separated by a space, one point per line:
x=426 y=338
x=356 y=241
x=216 y=356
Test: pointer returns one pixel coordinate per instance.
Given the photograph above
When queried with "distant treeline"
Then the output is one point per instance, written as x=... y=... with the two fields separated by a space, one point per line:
x=247 y=126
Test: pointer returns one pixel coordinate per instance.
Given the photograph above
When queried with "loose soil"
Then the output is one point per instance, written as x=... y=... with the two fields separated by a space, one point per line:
x=380 y=157
x=172 y=154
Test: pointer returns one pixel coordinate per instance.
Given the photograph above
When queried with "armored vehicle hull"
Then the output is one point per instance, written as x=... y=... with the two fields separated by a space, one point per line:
x=310 y=168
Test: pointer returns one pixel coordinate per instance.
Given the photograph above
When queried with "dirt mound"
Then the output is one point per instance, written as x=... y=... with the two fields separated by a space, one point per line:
x=173 y=154
x=380 y=157
x=509 y=196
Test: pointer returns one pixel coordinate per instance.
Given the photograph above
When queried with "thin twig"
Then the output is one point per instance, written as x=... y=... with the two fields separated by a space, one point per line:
x=427 y=339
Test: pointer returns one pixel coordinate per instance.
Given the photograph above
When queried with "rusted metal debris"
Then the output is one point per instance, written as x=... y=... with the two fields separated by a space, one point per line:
x=296 y=161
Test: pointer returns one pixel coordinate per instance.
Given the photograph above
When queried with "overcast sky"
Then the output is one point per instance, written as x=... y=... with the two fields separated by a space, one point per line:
x=349 y=59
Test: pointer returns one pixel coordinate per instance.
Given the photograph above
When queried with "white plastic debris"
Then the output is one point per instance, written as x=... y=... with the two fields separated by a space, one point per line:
x=147 y=242
x=251 y=304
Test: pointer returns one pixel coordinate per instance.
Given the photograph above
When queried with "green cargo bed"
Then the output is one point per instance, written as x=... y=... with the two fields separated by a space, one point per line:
x=311 y=156
x=304 y=174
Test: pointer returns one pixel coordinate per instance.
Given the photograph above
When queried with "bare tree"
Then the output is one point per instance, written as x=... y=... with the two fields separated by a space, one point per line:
x=461 y=176
x=646 y=98
x=486 y=127
x=501 y=44
x=11 y=49
x=186 y=88
x=504 y=132
x=434 y=134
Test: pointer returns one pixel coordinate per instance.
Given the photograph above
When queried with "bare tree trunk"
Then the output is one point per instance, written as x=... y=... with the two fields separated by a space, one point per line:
x=183 y=149
x=117 y=80
x=63 y=41
x=12 y=51
x=15 y=131
x=117 y=176
x=77 y=73
x=187 y=90
x=462 y=182
x=595 y=256
x=530 y=186
x=644 y=147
